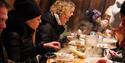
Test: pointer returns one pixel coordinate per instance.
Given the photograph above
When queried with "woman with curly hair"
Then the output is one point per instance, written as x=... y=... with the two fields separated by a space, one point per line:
x=53 y=22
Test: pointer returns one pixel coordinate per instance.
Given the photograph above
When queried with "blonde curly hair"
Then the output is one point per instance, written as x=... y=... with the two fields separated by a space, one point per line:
x=61 y=7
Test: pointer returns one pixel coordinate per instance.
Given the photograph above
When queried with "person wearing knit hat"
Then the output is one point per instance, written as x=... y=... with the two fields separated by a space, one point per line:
x=18 y=36
x=27 y=9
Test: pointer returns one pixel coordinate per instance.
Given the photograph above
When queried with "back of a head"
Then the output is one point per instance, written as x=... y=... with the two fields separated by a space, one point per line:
x=122 y=11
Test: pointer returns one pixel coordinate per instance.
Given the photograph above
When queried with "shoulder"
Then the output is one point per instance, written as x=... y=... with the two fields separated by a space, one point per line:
x=14 y=34
x=10 y=34
x=47 y=17
x=45 y=27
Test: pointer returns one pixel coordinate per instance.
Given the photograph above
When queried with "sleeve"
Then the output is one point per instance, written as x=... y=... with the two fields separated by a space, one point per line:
x=12 y=45
x=44 y=34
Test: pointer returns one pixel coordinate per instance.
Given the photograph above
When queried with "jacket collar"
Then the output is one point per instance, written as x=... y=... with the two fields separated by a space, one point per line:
x=57 y=19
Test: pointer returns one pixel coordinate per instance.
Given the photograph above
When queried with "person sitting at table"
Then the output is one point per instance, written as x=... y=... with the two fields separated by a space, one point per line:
x=18 y=36
x=53 y=23
x=3 y=17
x=119 y=34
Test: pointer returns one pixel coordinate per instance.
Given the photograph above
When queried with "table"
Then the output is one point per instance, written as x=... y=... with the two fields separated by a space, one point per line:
x=92 y=50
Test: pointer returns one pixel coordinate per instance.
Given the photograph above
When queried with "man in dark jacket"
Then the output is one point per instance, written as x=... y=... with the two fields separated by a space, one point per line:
x=3 y=18
x=21 y=24
x=52 y=25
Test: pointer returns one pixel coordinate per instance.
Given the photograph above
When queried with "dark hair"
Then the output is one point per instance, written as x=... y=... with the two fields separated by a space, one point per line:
x=3 y=3
x=122 y=11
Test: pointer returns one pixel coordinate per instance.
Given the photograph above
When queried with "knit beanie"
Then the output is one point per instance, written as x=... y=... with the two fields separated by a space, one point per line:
x=27 y=9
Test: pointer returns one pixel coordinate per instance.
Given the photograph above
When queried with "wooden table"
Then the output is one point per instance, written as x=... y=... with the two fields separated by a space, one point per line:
x=73 y=61
x=109 y=45
x=87 y=60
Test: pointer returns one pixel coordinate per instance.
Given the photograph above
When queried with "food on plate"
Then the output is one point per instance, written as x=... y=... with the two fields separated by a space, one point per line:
x=78 y=53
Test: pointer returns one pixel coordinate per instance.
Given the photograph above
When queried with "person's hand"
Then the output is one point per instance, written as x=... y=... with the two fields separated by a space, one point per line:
x=70 y=38
x=54 y=44
x=113 y=53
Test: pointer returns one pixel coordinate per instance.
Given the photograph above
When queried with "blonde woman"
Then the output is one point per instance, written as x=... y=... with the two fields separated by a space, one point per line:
x=53 y=23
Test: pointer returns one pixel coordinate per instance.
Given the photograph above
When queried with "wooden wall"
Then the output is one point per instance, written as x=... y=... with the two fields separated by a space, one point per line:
x=81 y=7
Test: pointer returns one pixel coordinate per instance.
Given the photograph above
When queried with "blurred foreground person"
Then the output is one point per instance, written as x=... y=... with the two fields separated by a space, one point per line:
x=120 y=33
x=53 y=23
x=18 y=36
x=3 y=18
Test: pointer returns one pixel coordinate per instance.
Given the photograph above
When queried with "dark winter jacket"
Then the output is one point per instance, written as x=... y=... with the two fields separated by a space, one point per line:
x=48 y=31
x=3 y=54
x=18 y=40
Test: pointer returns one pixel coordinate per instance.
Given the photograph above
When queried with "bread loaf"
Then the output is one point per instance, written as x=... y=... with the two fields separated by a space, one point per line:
x=78 y=53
